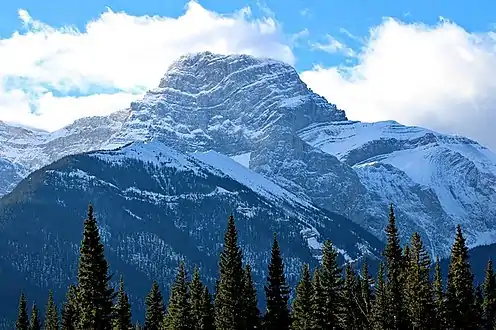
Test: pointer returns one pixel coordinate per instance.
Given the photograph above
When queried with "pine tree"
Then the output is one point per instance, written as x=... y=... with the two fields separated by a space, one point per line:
x=394 y=287
x=379 y=316
x=366 y=297
x=94 y=294
x=69 y=310
x=318 y=303
x=51 y=314
x=276 y=293
x=418 y=290
x=332 y=284
x=459 y=289
x=22 y=322
x=196 y=300
x=35 y=323
x=439 y=298
x=302 y=316
x=489 y=303
x=351 y=292
x=208 y=315
x=251 y=311
x=228 y=295
x=179 y=309
x=122 y=310
x=155 y=310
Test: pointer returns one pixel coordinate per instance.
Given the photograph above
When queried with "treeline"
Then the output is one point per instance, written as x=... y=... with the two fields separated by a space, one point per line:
x=402 y=295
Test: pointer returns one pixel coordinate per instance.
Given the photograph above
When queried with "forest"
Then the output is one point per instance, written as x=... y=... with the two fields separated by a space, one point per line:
x=404 y=294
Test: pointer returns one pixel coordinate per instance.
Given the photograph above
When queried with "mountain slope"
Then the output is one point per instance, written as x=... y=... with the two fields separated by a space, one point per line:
x=438 y=181
x=157 y=206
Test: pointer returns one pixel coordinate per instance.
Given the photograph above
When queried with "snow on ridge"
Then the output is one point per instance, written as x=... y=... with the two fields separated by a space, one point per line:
x=243 y=159
x=153 y=152
x=251 y=179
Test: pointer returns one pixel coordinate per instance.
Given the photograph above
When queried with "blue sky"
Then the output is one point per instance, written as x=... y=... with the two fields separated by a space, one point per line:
x=420 y=62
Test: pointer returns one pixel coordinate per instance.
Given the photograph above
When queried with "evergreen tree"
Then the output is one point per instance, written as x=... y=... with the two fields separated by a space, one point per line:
x=35 y=323
x=122 y=310
x=94 y=295
x=69 y=310
x=351 y=291
x=439 y=298
x=196 y=300
x=366 y=297
x=394 y=266
x=477 y=308
x=51 y=314
x=332 y=284
x=228 y=296
x=302 y=317
x=22 y=322
x=379 y=316
x=489 y=303
x=459 y=289
x=208 y=316
x=251 y=311
x=155 y=311
x=276 y=293
x=179 y=309
x=318 y=303
x=418 y=290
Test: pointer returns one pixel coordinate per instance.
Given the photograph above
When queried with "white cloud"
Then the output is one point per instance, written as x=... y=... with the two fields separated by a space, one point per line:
x=441 y=77
x=116 y=52
x=333 y=46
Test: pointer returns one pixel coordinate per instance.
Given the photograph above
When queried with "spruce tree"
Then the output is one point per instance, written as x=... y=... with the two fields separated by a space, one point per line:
x=251 y=311
x=122 y=310
x=228 y=295
x=155 y=311
x=22 y=322
x=302 y=316
x=351 y=291
x=478 y=309
x=439 y=298
x=489 y=303
x=208 y=315
x=51 y=314
x=332 y=284
x=35 y=323
x=379 y=315
x=179 y=309
x=277 y=293
x=366 y=297
x=459 y=288
x=318 y=303
x=196 y=300
x=94 y=294
x=69 y=310
x=418 y=290
x=394 y=266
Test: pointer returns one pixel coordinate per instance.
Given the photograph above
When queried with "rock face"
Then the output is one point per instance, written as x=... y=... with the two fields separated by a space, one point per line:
x=156 y=206
x=261 y=114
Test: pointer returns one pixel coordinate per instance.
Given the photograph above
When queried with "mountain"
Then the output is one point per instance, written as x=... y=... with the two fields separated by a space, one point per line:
x=156 y=206
x=260 y=113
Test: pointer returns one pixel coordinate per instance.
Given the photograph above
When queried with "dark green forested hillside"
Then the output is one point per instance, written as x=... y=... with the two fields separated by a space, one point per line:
x=402 y=295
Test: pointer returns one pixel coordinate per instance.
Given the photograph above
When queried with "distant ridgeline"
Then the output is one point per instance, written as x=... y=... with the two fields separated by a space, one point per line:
x=402 y=295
